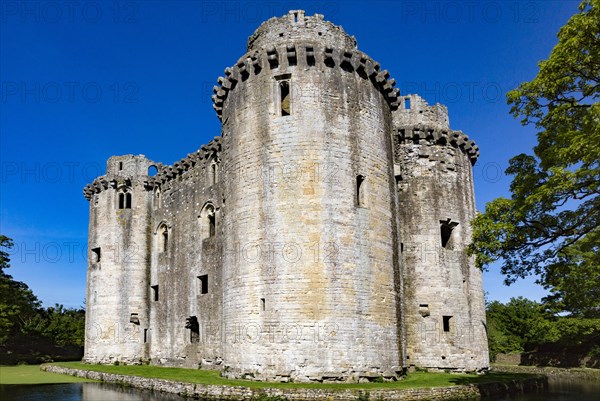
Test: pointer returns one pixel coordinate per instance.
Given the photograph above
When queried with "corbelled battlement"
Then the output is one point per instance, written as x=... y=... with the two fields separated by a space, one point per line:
x=304 y=56
x=433 y=135
x=165 y=173
x=296 y=27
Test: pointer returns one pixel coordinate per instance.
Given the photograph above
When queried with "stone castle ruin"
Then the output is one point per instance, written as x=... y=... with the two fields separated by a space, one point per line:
x=321 y=237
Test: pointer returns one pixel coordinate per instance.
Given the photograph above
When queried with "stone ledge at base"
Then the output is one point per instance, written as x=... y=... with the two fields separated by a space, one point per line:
x=217 y=392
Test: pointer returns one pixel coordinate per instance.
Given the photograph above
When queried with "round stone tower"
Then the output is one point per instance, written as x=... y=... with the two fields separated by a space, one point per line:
x=117 y=279
x=443 y=301
x=311 y=267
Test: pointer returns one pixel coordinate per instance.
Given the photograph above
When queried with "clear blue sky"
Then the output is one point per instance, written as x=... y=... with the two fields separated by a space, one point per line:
x=86 y=80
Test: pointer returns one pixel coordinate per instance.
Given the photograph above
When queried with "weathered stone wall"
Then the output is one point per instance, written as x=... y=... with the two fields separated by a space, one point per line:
x=274 y=251
x=117 y=302
x=443 y=294
x=310 y=260
x=184 y=201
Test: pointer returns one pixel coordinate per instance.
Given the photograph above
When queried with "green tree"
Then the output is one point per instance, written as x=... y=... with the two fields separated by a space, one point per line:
x=18 y=304
x=550 y=227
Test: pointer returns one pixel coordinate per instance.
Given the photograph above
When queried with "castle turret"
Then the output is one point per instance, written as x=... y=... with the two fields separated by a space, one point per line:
x=117 y=298
x=443 y=295
x=311 y=263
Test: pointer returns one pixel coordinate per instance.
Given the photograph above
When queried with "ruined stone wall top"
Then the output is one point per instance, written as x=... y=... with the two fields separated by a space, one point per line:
x=296 y=27
x=414 y=110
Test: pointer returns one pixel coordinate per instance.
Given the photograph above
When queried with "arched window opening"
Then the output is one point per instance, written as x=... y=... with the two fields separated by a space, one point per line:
x=152 y=171
x=156 y=200
x=124 y=199
x=163 y=239
x=212 y=173
x=360 y=191
x=208 y=221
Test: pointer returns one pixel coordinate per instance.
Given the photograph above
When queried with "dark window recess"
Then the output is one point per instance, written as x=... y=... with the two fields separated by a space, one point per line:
x=446 y=322
x=96 y=254
x=284 y=96
x=446 y=227
x=212 y=225
x=154 y=292
x=310 y=56
x=192 y=324
x=262 y=304
x=203 y=280
x=145 y=335
x=121 y=201
x=360 y=180
x=120 y=165
x=134 y=318
x=291 y=56
x=128 y=201
x=213 y=173
x=165 y=240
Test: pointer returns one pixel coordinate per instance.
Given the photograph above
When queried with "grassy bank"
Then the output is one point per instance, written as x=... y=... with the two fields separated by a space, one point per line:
x=414 y=380
x=31 y=374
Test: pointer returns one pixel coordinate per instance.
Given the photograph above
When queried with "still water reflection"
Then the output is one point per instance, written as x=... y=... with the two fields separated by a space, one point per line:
x=80 y=392
x=560 y=390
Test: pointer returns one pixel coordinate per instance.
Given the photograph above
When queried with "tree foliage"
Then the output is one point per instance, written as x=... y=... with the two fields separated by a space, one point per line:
x=523 y=325
x=550 y=227
x=26 y=327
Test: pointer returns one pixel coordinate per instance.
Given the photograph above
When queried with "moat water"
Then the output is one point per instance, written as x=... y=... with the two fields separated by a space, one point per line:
x=560 y=390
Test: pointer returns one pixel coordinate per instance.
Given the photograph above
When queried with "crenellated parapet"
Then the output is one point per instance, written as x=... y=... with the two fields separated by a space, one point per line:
x=306 y=55
x=433 y=135
x=307 y=50
x=165 y=173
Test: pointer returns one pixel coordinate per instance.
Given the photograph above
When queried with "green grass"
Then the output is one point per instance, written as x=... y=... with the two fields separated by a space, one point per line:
x=414 y=380
x=31 y=374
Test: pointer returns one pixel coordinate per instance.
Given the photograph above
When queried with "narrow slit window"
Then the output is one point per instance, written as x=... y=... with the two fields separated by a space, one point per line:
x=284 y=97
x=212 y=225
x=120 y=166
x=262 y=304
x=154 y=292
x=446 y=322
x=121 y=201
x=163 y=239
x=213 y=173
x=96 y=255
x=145 y=336
x=360 y=191
x=203 y=283
x=127 y=200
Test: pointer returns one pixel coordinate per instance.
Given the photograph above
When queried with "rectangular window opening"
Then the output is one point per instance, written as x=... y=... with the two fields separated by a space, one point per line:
x=446 y=323
x=145 y=336
x=262 y=304
x=120 y=165
x=407 y=103
x=194 y=326
x=284 y=98
x=203 y=282
x=127 y=201
x=154 y=292
x=96 y=255
x=121 y=201
x=446 y=227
